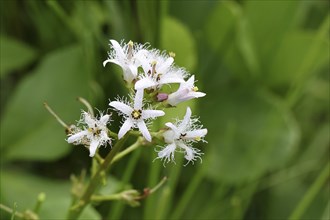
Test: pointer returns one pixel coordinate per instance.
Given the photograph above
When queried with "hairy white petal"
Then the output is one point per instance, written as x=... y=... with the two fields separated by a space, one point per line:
x=104 y=119
x=92 y=148
x=152 y=114
x=112 y=61
x=88 y=119
x=173 y=127
x=138 y=99
x=165 y=65
x=190 y=82
x=144 y=83
x=119 y=50
x=178 y=96
x=167 y=153
x=77 y=137
x=127 y=110
x=170 y=136
x=189 y=155
x=125 y=128
x=144 y=130
x=170 y=78
x=196 y=134
x=186 y=120
x=198 y=94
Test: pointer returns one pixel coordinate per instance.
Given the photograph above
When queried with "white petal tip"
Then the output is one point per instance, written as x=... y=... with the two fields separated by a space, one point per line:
x=105 y=63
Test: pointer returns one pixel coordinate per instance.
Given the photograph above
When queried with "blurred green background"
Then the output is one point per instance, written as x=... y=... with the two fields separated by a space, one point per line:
x=263 y=64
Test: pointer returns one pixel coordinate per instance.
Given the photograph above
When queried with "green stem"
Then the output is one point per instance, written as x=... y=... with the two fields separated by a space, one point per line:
x=41 y=199
x=128 y=150
x=11 y=211
x=310 y=194
x=87 y=104
x=113 y=134
x=167 y=200
x=78 y=207
x=118 y=207
x=51 y=111
x=150 y=203
x=158 y=185
x=97 y=198
x=188 y=195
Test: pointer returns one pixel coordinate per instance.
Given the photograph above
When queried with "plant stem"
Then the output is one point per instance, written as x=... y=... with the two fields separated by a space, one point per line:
x=78 y=207
x=11 y=211
x=118 y=207
x=97 y=198
x=310 y=194
x=188 y=194
x=127 y=150
x=56 y=116
x=88 y=106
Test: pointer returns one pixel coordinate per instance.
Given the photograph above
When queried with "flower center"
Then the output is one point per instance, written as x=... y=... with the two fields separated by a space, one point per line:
x=136 y=114
x=95 y=131
x=182 y=135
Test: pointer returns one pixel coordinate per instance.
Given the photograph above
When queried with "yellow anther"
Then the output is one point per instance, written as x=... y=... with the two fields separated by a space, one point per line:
x=130 y=50
x=172 y=54
x=195 y=89
x=197 y=138
x=136 y=114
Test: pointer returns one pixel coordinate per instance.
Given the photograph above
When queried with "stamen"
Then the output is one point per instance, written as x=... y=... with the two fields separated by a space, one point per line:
x=183 y=135
x=158 y=77
x=153 y=64
x=136 y=114
x=195 y=89
x=197 y=138
x=130 y=50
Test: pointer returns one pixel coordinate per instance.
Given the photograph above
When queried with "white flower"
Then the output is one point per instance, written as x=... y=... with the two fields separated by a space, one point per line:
x=126 y=56
x=186 y=91
x=180 y=136
x=94 y=134
x=135 y=116
x=158 y=70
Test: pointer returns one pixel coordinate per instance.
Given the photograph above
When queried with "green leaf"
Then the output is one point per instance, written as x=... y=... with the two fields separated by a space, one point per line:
x=30 y=132
x=291 y=55
x=24 y=188
x=221 y=24
x=229 y=37
x=177 y=38
x=250 y=133
x=269 y=22
x=14 y=55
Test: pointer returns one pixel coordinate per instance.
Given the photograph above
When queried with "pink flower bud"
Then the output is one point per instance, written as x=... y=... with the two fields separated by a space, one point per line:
x=161 y=97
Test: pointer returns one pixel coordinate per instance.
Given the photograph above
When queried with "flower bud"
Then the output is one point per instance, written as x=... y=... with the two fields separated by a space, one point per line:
x=162 y=97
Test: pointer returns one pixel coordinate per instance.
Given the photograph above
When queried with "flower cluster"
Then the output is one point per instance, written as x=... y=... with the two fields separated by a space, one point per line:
x=147 y=72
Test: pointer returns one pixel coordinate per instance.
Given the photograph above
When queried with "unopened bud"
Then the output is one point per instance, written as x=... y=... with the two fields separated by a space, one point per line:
x=162 y=97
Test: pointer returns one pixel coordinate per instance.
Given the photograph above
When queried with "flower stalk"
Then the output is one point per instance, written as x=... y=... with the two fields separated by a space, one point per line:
x=78 y=207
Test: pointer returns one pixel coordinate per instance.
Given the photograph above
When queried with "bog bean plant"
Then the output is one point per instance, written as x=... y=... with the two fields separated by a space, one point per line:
x=164 y=110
